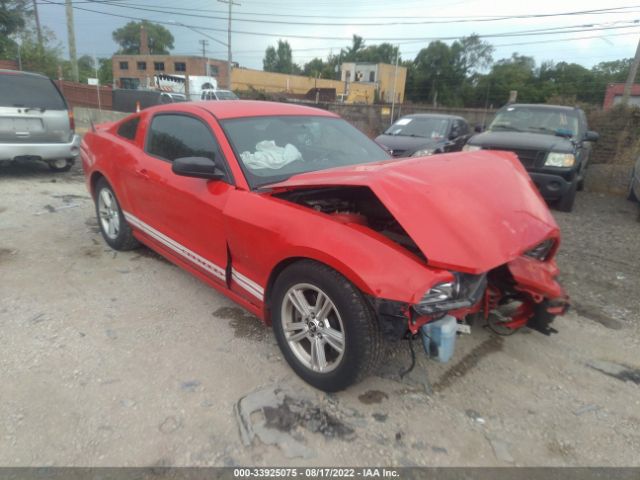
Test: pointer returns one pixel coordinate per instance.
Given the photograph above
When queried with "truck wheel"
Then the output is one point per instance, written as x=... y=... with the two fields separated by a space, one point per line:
x=61 y=165
x=113 y=226
x=324 y=326
x=565 y=204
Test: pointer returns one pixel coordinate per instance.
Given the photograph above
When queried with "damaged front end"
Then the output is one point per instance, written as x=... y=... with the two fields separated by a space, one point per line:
x=492 y=249
x=522 y=292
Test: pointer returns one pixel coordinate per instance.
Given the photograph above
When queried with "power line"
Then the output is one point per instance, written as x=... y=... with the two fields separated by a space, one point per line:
x=535 y=32
x=355 y=24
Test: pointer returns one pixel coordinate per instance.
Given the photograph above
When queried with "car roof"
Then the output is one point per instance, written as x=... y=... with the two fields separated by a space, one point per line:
x=251 y=108
x=542 y=106
x=434 y=115
x=19 y=72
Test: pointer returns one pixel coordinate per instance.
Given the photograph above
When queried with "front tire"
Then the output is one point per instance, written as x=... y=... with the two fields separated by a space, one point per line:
x=113 y=226
x=565 y=204
x=325 y=329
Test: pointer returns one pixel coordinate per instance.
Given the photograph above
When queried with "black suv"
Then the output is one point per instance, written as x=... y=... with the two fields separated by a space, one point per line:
x=552 y=142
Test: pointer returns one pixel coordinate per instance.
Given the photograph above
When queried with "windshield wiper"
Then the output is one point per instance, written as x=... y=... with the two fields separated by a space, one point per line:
x=506 y=127
x=399 y=134
x=559 y=131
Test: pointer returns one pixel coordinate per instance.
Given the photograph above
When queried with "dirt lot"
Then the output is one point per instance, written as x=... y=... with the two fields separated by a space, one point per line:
x=113 y=359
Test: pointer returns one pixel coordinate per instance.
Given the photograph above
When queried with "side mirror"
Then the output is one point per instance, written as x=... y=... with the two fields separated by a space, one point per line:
x=478 y=128
x=196 y=167
x=591 y=136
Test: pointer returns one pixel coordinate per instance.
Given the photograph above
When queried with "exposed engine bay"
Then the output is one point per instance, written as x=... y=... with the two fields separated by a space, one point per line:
x=357 y=205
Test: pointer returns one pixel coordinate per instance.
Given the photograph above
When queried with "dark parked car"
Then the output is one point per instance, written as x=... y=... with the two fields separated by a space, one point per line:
x=35 y=122
x=552 y=142
x=423 y=134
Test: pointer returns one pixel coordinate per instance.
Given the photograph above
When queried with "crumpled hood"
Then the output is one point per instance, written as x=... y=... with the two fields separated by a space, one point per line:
x=522 y=141
x=406 y=144
x=468 y=212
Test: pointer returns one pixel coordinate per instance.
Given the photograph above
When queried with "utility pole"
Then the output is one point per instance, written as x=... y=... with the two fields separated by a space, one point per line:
x=37 y=18
x=395 y=79
x=73 y=56
x=229 y=57
x=632 y=77
x=204 y=44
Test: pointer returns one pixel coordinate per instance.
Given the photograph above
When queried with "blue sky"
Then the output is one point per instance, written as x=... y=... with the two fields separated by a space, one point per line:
x=616 y=38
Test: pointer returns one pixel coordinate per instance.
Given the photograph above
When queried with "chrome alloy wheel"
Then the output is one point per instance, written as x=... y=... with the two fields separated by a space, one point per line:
x=108 y=212
x=313 y=328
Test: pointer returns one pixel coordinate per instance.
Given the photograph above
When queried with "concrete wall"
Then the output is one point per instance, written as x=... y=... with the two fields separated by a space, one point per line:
x=84 y=116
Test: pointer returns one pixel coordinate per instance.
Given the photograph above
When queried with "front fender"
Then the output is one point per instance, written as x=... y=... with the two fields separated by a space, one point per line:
x=263 y=232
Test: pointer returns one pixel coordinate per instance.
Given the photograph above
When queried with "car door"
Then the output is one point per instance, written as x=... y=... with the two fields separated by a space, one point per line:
x=183 y=215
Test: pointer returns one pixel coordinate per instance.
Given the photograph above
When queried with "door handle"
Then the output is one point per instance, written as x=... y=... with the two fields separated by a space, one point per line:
x=143 y=173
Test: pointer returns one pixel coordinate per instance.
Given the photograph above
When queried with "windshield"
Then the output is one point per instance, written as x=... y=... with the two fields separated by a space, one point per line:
x=272 y=149
x=535 y=119
x=226 y=95
x=29 y=91
x=428 y=127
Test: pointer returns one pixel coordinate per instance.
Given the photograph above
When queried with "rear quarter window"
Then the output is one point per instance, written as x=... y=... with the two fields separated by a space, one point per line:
x=19 y=90
x=129 y=129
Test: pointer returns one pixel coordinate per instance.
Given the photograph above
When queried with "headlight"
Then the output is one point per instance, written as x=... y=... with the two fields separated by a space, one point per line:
x=464 y=291
x=542 y=250
x=471 y=148
x=423 y=152
x=555 y=159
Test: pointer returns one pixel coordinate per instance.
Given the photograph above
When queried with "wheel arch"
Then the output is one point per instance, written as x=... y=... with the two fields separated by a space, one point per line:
x=93 y=181
x=321 y=258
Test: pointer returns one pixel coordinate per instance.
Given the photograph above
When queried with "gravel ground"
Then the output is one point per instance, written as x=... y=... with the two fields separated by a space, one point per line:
x=122 y=359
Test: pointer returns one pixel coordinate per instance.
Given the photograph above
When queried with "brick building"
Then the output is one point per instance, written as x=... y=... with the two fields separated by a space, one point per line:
x=133 y=71
x=613 y=95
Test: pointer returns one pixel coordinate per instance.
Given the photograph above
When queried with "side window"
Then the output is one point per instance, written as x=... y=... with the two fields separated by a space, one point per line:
x=129 y=129
x=174 y=136
x=464 y=127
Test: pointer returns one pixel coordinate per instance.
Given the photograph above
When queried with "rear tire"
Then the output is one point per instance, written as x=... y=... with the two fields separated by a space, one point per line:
x=565 y=204
x=344 y=332
x=61 y=165
x=113 y=226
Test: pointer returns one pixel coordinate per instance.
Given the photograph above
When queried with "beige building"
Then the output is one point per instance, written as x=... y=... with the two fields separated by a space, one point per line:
x=386 y=78
x=134 y=71
x=247 y=79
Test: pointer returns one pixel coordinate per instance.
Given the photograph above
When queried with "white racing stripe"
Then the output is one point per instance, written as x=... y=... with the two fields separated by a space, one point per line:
x=249 y=285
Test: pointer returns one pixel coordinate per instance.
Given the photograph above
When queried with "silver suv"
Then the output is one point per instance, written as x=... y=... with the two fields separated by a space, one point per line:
x=35 y=122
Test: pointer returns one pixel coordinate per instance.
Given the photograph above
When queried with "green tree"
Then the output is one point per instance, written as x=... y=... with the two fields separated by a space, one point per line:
x=280 y=59
x=13 y=18
x=350 y=54
x=45 y=59
x=105 y=71
x=128 y=37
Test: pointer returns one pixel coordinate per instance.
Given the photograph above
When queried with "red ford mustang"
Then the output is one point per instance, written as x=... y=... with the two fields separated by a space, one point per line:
x=300 y=218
